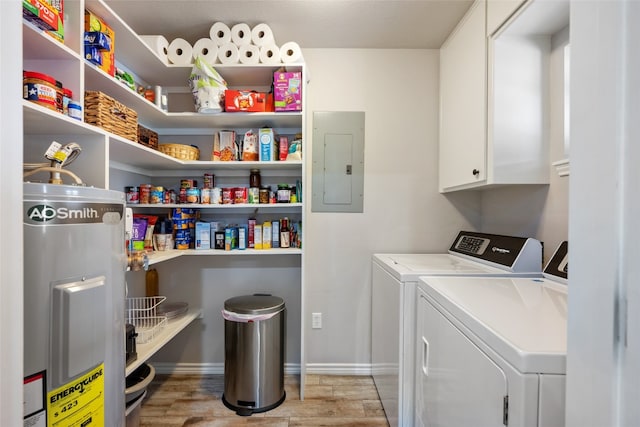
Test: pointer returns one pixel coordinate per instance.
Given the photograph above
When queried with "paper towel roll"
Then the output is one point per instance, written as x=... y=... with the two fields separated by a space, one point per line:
x=290 y=53
x=159 y=45
x=220 y=33
x=207 y=49
x=261 y=35
x=249 y=54
x=241 y=34
x=270 y=54
x=180 y=52
x=228 y=54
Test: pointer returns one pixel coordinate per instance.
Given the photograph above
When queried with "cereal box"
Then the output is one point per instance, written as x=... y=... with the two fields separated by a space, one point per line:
x=287 y=91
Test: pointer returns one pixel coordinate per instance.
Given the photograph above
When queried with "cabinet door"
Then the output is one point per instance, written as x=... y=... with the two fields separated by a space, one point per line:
x=457 y=385
x=463 y=103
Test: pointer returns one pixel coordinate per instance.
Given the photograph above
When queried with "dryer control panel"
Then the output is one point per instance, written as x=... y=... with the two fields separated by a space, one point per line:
x=516 y=254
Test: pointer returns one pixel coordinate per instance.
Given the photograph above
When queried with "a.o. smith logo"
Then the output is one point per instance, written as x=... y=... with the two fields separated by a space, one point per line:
x=72 y=213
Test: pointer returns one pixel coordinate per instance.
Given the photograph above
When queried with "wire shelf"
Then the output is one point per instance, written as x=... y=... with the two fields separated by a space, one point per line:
x=142 y=313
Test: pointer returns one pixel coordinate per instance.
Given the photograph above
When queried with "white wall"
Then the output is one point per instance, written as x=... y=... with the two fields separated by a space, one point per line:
x=11 y=257
x=403 y=211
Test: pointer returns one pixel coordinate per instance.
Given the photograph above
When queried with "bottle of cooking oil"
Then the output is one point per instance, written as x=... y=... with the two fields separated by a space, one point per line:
x=152 y=283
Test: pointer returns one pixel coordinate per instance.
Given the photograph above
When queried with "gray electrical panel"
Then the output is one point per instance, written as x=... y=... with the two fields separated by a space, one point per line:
x=338 y=161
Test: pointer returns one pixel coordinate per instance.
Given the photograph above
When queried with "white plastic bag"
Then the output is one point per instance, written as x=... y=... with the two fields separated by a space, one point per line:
x=207 y=87
x=246 y=318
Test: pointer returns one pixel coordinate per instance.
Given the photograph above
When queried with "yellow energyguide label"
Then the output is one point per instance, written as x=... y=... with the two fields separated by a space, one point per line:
x=78 y=403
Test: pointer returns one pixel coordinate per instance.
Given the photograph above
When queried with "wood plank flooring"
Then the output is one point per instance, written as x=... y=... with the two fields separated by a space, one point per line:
x=330 y=400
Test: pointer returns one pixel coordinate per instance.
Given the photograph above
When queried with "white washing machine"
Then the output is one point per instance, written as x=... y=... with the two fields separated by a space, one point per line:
x=492 y=351
x=394 y=282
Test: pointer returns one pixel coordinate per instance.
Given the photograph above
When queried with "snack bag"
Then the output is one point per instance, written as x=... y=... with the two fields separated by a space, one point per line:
x=250 y=146
x=207 y=87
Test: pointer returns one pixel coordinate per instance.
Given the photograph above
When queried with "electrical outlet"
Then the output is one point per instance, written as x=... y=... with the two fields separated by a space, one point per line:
x=316 y=320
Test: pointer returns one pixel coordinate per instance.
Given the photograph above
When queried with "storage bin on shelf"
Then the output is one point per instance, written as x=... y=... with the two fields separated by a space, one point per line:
x=147 y=137
x=142 y=313
x=180 y=151
x=105 y=112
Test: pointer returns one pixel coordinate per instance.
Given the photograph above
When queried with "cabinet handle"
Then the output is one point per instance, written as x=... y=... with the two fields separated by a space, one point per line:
x=476 y=172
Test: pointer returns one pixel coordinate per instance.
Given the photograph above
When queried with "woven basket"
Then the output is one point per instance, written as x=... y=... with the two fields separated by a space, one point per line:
x=103 y=111
x=147 y=137
x=180 y=151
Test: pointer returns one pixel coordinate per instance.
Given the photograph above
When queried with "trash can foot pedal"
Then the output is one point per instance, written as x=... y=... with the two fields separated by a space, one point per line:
x=247 y=411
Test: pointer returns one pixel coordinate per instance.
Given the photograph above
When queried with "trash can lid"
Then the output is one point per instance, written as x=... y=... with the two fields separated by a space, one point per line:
x=254 y=304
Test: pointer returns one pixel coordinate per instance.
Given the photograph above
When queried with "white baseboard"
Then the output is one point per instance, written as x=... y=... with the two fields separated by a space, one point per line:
x=289 y=368
x=207 y=368
x=339 y=368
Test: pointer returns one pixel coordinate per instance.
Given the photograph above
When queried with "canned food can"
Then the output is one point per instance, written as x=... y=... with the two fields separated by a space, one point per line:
x=156 y=195
x=133 y=195
x=145 y=193
x=240 y=195
x=208 y=180
x=216 y=196
x=227 y=196
x=254 y=195
x=193 y=195
x=205 y=196
x=183 y=195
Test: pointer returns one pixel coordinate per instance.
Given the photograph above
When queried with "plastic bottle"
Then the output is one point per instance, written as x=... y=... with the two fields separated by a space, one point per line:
x=152 y=283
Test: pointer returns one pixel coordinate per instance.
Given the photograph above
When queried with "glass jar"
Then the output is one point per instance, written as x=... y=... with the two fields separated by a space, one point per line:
x=254 y=178
x=284 y=193
x=263 y=195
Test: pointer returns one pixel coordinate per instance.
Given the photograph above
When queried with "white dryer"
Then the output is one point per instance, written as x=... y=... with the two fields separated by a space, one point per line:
x=393 y=319
x=492 y=351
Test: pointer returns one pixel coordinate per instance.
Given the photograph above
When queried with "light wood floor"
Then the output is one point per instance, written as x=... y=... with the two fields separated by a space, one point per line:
x=188 y=400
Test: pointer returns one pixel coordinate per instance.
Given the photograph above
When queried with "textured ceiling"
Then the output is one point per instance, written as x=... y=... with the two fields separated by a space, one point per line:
x=381 y=24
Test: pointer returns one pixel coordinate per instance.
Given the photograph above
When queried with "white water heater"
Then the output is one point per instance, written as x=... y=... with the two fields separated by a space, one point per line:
x=74 y=293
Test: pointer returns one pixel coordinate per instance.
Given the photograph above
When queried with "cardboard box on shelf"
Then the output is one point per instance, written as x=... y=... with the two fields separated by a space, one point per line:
x=58 y=5
x=287 y=91
x=41 y=14
x=247 y=101
x=267 y=144
x=94 y=23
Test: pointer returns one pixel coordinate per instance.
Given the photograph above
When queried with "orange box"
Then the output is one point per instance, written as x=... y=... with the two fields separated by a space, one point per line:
x=93 y=22
x=247 y=101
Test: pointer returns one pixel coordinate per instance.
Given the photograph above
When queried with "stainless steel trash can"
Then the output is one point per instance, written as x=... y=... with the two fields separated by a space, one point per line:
x=254 y=338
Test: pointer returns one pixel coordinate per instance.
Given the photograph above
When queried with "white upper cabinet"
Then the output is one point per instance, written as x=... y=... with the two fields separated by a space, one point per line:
x=495 y=95
x=463 y=83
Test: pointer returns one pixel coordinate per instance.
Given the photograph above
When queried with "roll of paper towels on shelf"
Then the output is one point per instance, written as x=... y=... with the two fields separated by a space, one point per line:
x=158 y=44
x=228 y=54
x=241 y=34
x=261 y=35
x=249 y=54
x=220 y=33
x=290 y=53
x=207 y=49
x=270 y=54
x=180 y=52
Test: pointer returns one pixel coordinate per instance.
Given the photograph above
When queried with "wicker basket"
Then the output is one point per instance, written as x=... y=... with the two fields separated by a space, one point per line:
x=103 y=111
x=180 y=151
x=147 y=137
